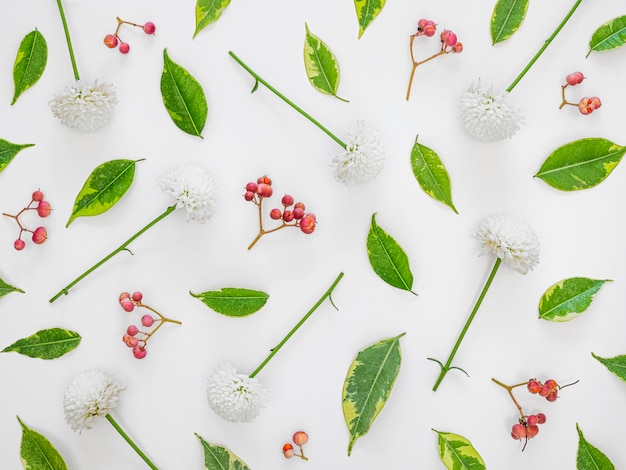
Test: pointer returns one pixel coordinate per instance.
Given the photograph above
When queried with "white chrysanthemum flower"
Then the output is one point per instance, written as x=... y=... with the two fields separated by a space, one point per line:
x=234 y=397
x=488 y=116
x=91 y=393
x=512 y=240
x=194 y=190
x=363 y=158
x=85 y=107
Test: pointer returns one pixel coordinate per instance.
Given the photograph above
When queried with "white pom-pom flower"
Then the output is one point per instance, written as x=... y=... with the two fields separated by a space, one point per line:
x=511 y=239
x=363 y=158
x=488 y=116
x=194 y=190
x=234 y=397
x=91 y=394
x=85 y=107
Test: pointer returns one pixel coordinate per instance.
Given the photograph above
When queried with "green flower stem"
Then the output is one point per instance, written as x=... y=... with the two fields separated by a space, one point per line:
x=544 y=46
x=287 y=100
x=122 y=247
x=446 y=368
x=69 y=40
x=130 y=441
x=298 y=325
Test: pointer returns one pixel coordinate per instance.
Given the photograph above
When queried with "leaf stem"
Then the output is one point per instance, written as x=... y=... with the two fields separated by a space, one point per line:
x=122 y=247
x=446 y=368
x=286 y=100
x=544 y=46
x=298 y=325
x=69 y=40
x=130 y=441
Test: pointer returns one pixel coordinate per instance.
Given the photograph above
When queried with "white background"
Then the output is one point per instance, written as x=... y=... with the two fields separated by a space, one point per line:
x=246 y=136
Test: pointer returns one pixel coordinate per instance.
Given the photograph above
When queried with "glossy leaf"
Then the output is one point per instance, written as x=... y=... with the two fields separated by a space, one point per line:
x=233 y=301
x=46 y=344
x=220 y=458
x=616 y=364
x=183 y=97
x=8 y=151
x=506 y=19
x=37 y=452
x=104 y=187
x=207 y=12
x=589 y=457
x=7 y=288
x=30 y=62
x=388 y=259
x=431 y=174
x=610 y=35
x=368 y=384
x=581 y=164
x=568 y=298
x=366 y=12
x=322 y=68
x=457 y=453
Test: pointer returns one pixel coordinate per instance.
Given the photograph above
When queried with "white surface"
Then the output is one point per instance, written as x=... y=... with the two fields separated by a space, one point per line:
x=250 y=135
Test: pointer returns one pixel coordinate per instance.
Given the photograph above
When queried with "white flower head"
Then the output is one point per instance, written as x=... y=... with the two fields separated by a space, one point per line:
x=90 y=394
x=84 y=107
x=363 y=158
x=511 y=239
x=194 y=190
x=488 y=116
x=234 y=397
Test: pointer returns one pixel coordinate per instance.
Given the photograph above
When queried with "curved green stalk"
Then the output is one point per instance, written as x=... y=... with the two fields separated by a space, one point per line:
x=130 y=441
x=69 y=40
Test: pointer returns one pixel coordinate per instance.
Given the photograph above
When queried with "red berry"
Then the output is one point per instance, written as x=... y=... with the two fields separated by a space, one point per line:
x=307 y=224
x=532 y=420
x=448 y=38
x=288 y=451
x=298 y=213
x=551 y=384
x=39 y=235
x=300 y=438
x=544 y=390
x=265 y=190
x=574 y=78
x=139 y=352
x=276 y=214
x=147 y=320
x=137 y=296
x=552 y=396
x=533 y=386
x=124 y=47
x=299 y=205
x=264 y=179
x=252 y=187
x=149 y=28
x=541 y=418
x=518 y=431
x=287 y=200
x=531 y=431
x=19 y=244
x=586 y=106
x=288 y=216
x=457 y=48
x=37 y=196
x=132 y=330
x=596 y=102
x=110 y=40
x=130 y=341
x=248 y=196
x=127 y=304
x=426 y=27
x=124 y=295
x=43 y=209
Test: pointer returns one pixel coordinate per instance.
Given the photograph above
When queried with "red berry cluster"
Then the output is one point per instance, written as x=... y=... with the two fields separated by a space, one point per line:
x=40 y=234
x=292 y=213
x=113 y=40
x=299 y=438
x=586 y=105
x=135 y=338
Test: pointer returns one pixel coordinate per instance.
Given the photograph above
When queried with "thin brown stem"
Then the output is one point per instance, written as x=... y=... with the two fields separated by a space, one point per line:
x=416 y=64
x=509 y=389
x=564 y=101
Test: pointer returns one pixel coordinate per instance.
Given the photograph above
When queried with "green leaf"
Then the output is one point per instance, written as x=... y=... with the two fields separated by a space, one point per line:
x=457 y=453
x=610 y=35
x=37 y=453
x=431 y=174
x=104 y=187
x=589 y=457
x=7 y=288
x=568 y=298
x=581 y=164
x=616 y=364
x=207 y=12
x=220 y=458
x=233 y=301
x=8 y=151
x=388 y=259
x=506 y=19
x=183 y=97
x=30 y=62
x=366 y=12
x=46 y=344
x=368 y=384
x=322 y=68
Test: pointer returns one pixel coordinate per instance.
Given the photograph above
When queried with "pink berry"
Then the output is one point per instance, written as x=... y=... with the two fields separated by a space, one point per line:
x=287 y=200
x=127 y=305
x=124 y=295
x=544 y=390
x=457 y=48
x=300 y=438
x=541 y=418
x=149 y=28
x=139 y=352
x=532 y=420
x=130 y=341
x=531 y=431
x=37 y=196
x=574 y=78
x=19 y=244
x=288 y=216
x=248 y=196
x=137 y=296
x=147 y=320
x=552 y=396
x=276 y=214
x=298 y=213
x=288 y=451
x=264 y=179
x=518 y=431
x=132 y=330
x=533 y=386
x=426 y=27
x=448 y=38
x=124 y=47
x=265 y=190
x=299 y=205
x=43 y=209
x=586 y=106
x=307 y=224
x=252 y=187
x=596 y=101
x=551 y=384
x=40 y=235
x=110 y=40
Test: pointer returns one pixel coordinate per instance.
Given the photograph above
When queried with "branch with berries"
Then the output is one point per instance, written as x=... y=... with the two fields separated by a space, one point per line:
x=40 y=234
x=114 y=40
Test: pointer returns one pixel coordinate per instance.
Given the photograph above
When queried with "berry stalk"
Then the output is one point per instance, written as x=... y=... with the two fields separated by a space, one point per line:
x=69 y=40
x=130 y=441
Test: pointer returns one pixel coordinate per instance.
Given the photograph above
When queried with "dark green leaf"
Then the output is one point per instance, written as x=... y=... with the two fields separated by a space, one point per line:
x=233 y=301
x=46 y=344
x=610 y=35
x=589 y=457
x=7 y=288
x=207 y=12
x=368 y=384
x=568 y=298
x=457 y=453
x=104 y=187
x=322 y=68
x=183 y=97
x=616 y=364
x=30 y=62
x=581 y=164
x=366 y=12
x=431 y=174
x=506 y=18
x=220 y=458
x=37 y=453
x=8 y=151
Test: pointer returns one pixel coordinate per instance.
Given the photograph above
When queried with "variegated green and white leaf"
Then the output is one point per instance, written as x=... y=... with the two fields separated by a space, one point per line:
x=616 y=364
x=608 y=36
x=506 y=19
x=220 y=458
x=366 y=12
x=46 y=344
x=30 y=63
x=589 y=457
x=322 y=68
x=8 y=288
x=457 y=453
x=207 y=12
x=8 y=151
x=568 y=298
x=37 y=453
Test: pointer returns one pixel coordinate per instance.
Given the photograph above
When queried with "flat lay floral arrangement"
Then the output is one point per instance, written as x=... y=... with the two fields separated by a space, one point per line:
x=368 y=235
